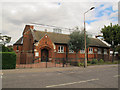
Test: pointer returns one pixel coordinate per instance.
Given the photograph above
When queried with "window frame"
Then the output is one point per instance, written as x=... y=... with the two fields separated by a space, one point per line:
x=82 y=50
x=99 y=51
x=90 y=50
x=36 y=54
x=17 y=48
x=71 y=51
x=60 y=49
x=105 y=51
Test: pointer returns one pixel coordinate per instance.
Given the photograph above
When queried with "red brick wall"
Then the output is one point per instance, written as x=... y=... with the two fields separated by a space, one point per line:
x=45 y=43
x=27 y=39
x=60 y=55
x=20 y=47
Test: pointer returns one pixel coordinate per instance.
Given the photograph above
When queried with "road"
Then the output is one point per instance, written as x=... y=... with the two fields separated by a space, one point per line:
x=105 y=76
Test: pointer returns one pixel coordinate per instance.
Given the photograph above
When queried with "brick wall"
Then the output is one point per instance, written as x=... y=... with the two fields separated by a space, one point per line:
x=29 y=51
x=17 y=48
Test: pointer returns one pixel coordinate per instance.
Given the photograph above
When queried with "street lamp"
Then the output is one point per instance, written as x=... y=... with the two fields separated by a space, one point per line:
x=85 y=62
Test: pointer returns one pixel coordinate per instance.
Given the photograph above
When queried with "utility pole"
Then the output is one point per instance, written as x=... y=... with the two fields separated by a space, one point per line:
x=85 y=61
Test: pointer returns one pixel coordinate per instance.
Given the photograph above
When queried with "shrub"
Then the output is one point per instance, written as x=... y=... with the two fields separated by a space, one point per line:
x=88 y=61
x=6 y=49
x=115 y=62
x=8 y=60
x=101 y=61
x=80 y=64
x=88 y=64
x=94 y=61
x=74 y=63
x=118 y=61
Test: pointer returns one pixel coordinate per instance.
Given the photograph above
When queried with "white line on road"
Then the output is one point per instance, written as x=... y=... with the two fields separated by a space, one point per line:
x=72 y=83
x=116 y=76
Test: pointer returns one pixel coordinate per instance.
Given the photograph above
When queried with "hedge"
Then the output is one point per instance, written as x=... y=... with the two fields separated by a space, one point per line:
x=8 y=60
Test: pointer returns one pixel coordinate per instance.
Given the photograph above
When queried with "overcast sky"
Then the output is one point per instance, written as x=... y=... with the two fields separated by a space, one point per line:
x=15 y=15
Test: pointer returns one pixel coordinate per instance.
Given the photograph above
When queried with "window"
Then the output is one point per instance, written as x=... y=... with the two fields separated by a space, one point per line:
x=61 y=49
x=17 y=48
x=82 y=51
x=35 y=49
x=71 y=51
x=36 y=54
x=105 y=51
x=99 y=51
x=90 y=50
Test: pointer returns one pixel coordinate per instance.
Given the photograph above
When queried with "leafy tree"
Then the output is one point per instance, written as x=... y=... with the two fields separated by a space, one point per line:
x=76 y=41
x=4 y=39
x=111 y=35
x=118 y=49
x=6 y=49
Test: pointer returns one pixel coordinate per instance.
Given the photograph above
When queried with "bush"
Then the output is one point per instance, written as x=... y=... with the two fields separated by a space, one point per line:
x=6 y=49
x=94 y=61
x=101 y=61
x=80 y=64
x=8 y=60
x=75 y=63
x=118 y=61
x=88 y=61
x=115 y=62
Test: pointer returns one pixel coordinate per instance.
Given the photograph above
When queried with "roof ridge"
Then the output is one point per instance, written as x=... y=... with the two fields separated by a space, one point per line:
x=53 y=32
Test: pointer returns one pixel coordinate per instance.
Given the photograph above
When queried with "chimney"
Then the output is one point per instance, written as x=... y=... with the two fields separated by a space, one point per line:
x=27 y=27
x=31 y=26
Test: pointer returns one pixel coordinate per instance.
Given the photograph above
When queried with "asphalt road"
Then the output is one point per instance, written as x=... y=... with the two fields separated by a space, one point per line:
x=105 y=76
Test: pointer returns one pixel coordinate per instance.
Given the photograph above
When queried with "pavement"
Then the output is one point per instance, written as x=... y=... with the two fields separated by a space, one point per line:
x=97 y=76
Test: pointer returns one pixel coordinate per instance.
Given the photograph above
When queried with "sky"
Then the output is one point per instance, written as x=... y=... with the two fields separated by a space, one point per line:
x=15 y=15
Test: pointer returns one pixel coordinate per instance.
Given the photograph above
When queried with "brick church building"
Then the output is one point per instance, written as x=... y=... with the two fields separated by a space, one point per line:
x=41 y=46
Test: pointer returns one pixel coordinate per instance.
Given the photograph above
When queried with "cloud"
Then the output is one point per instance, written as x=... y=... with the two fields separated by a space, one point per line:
x=64 y=14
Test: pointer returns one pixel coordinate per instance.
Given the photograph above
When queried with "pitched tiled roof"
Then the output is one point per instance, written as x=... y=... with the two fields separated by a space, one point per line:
x=55 y=37
x=64 y=38
x=19 y=41
x=97 y=42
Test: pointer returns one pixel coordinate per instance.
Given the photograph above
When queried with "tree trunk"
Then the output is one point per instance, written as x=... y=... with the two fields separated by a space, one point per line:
x=76 y=57
x=113 y=54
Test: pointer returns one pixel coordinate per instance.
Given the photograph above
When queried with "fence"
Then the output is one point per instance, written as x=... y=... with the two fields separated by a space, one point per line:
x=26 y=60
x=55 y=62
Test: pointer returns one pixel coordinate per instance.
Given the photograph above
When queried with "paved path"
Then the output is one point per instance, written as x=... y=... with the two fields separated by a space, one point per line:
x=98 y=76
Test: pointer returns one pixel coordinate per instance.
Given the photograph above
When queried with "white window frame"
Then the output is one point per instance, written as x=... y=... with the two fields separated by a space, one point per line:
x=99 y=50
x=36 y=54
x=60 y=50
x=90 y=50
x=105 y=51
x=71 y=51
x=82 y=51
x=35 y=49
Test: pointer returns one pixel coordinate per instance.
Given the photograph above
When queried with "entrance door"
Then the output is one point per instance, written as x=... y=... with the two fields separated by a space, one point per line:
x=44 y=55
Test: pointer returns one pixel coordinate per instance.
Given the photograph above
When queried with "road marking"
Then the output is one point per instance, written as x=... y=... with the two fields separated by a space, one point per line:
x=72 y=83
x=116 y=76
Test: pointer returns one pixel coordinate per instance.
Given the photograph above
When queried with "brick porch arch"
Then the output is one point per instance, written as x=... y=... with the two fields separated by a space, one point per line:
x=47 y=45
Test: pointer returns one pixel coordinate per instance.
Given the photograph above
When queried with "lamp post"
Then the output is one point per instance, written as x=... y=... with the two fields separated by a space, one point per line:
x=85 y=61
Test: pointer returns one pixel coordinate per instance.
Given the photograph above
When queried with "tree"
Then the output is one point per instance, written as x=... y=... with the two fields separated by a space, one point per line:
x=6 y=49
x=4 y=39
x=76 y=41
x=118 y=50
x=111 y=34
